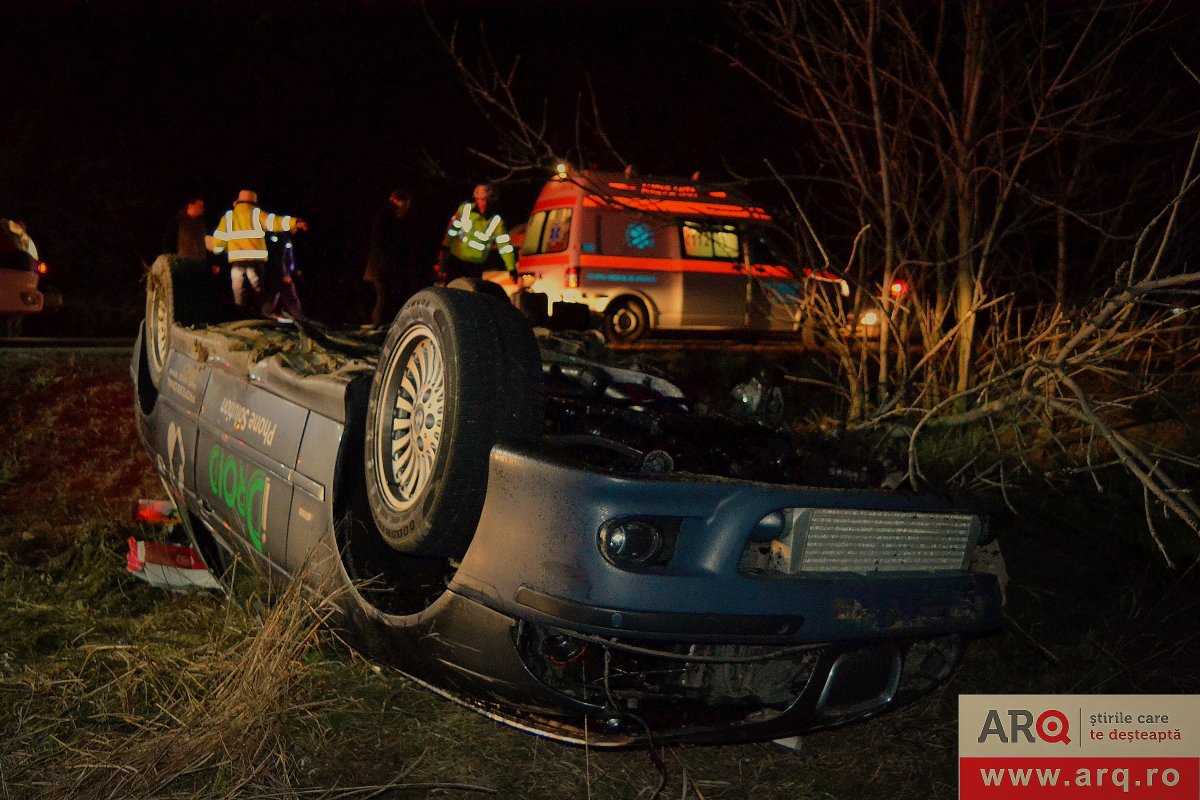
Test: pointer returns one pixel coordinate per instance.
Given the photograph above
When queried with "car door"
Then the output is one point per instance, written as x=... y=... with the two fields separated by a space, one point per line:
x=245 y=458
x=777 y=296
x=714 y=276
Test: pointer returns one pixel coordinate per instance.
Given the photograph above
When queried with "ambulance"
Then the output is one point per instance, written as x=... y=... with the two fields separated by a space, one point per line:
x=648 y=254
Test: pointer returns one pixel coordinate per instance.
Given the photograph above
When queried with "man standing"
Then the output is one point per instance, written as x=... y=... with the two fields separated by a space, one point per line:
x=473 y=235
x=391 y=269
x=243 y=231
x=186 y=233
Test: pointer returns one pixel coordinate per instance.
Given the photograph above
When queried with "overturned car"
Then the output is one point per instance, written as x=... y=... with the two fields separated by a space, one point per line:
x=558 y=541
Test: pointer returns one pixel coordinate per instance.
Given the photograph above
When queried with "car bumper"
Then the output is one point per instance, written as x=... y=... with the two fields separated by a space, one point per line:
x=567 y=645
x=536 y=556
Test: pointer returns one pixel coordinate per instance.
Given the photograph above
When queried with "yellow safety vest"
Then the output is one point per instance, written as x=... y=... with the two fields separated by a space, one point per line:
x=243 y=230
x=471 y=236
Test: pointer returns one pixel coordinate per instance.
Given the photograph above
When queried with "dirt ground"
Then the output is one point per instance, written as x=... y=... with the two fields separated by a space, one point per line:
x=109 y=688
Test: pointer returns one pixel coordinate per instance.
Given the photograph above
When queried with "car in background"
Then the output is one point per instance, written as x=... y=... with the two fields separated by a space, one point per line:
x=554 y=538
x=20 y=269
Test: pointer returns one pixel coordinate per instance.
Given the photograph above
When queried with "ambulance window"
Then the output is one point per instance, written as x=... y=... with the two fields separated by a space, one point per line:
x=768 y=247
x=533 y=234
x=710 y=241
x=558 y=230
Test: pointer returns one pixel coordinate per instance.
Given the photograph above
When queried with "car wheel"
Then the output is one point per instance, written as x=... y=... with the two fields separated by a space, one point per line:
x=160 y=313
x=178 y=291
x=458 y=373
x=626 y=320
x=478 y=285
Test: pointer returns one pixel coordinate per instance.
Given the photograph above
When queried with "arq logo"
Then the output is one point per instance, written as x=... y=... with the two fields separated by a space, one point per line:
x=1051 y=727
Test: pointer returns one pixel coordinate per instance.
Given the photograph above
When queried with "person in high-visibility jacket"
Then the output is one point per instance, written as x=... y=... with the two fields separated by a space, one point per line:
x=242 y=233
x=473 y=235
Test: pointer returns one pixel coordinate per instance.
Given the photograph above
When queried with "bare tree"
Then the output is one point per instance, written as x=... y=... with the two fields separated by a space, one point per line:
x=965 y=142
x=935 y=127
x=1078 y=390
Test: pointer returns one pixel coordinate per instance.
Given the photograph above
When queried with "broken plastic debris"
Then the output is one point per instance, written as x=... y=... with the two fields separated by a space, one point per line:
x=793 y=743
x=156 y=512
x=169 y=566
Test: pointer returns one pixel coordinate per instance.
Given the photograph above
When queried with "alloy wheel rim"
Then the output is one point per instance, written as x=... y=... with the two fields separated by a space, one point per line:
x=413 y=422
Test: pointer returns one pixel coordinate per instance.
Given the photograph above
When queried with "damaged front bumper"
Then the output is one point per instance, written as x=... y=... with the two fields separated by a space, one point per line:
x=701 y=644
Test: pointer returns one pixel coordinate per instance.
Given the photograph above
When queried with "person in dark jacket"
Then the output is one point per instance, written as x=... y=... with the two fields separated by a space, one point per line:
x=391 y=270
x=282 y=299
x=186 y=231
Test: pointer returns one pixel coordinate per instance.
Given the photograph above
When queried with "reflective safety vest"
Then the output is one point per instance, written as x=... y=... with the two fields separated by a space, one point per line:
x=471 y=236
x=243 y=230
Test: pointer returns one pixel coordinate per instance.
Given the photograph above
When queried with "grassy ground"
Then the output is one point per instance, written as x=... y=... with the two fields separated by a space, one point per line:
x=110 y=688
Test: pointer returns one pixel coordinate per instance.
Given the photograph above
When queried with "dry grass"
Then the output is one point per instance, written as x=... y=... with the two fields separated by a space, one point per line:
x=110 y=688
x=221 y=720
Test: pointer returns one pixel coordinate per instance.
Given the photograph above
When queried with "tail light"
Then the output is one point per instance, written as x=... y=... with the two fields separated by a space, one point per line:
x=42 y=268
x=572 y=277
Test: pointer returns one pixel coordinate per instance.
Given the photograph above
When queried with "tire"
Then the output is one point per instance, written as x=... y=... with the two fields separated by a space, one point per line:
x=178 y=291
x=478 y=285
x=458 y=373
x=626 y=320
x=160 y=315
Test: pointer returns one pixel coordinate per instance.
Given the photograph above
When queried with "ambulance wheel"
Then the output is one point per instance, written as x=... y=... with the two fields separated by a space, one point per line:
x=626 y=320
x=478 y=285
x=458 y=373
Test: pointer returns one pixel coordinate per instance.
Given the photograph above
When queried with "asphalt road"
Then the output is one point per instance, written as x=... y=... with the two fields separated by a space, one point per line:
x=65 y=343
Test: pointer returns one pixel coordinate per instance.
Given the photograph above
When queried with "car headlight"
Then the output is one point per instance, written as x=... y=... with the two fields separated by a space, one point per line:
x=634 y=542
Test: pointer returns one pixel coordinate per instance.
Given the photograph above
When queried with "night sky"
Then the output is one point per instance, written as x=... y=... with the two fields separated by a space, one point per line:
x=114 y=111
